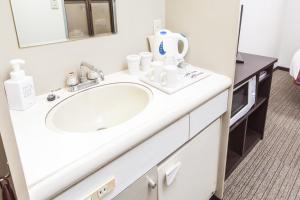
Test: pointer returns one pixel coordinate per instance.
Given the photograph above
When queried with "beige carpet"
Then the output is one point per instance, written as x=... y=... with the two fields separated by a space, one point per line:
x=272 y=170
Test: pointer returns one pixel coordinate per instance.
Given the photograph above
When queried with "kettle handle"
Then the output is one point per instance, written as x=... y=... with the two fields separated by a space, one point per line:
x=185 y=41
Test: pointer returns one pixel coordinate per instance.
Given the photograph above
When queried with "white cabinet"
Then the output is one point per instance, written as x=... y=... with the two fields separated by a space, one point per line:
x=207 y=113
x=133 y=164
x=191 y=172
x=145 y=188
x=183 y=158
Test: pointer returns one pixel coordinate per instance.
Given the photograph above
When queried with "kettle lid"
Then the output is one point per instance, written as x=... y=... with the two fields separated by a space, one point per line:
x=163 y=32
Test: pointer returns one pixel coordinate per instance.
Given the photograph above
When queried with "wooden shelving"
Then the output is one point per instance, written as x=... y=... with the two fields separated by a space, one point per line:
x=259 y=101
x=252 y=138
x=233 y=159
x=249 y=130
x=265 y=78
x=245 y=134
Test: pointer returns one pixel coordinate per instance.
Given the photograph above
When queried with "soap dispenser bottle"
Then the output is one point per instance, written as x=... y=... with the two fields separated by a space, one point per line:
x=19 y=88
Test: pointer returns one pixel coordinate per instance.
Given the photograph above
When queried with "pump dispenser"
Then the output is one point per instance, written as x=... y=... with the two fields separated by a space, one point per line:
x=19 y=88
x=17 y=73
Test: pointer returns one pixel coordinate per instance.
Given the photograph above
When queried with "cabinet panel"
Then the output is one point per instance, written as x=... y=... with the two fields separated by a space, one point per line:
x=133 y=164
x=207 y=113
x=191 y=172
x=145 y=188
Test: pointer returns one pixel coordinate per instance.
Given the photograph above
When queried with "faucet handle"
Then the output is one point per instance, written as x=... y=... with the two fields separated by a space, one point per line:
x=92 y=75
x=72 y=79
x=82 y=75
x=101 y=74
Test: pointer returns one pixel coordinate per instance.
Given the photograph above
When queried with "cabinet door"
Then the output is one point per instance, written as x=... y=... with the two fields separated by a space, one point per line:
x=191 y=172
x=145 y=188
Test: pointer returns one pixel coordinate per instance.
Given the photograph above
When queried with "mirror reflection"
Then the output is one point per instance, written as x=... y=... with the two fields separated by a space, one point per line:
x=51 y=21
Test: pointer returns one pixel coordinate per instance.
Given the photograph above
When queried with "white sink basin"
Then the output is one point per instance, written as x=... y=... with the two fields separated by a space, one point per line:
x=99 y=108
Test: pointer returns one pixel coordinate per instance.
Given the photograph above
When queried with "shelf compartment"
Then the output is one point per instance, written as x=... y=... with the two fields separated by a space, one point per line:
x=264 y=78
x=260 y=101
x=263 y=87
x=252 y=138
x=257 y=119
x=237 y=137
x=233 y=160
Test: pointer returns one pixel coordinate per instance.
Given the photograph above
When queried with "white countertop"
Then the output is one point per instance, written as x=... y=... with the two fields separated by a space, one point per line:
x=54 y=161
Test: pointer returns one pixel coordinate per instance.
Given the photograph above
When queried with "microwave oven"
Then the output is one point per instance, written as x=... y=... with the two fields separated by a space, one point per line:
x=244 y=97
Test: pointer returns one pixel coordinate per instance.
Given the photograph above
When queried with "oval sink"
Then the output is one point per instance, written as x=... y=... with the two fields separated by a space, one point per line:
x=99 y=108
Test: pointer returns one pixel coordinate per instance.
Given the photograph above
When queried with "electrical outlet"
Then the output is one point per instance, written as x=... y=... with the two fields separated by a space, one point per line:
x=104 y=190
x=157 y=25
x=54 y=4
x=107 y=188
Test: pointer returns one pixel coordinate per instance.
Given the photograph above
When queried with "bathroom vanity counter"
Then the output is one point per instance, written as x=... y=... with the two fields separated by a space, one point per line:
x=54 y=161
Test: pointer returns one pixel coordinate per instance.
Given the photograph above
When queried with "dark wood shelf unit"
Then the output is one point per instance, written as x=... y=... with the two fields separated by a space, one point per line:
x=252 y=138
x=236 y=141
x=249 y=130
x=268 y=76
x=253 y=65
x=260 y=100
x=264 y=87
x=257 y=120
x=233 y=160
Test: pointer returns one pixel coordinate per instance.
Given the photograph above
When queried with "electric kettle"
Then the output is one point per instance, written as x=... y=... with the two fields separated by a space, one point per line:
x=166 y=45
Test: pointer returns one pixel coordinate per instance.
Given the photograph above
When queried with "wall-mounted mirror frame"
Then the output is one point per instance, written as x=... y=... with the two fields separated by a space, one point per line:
x=41 y=22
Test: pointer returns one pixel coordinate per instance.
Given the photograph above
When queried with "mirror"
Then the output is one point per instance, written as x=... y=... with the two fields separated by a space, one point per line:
x=40 y=22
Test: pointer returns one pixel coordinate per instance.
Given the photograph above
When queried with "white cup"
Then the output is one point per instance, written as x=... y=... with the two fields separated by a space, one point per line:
x=133 y=62
x=170 y=76
x=146 y=59
x=156 y=71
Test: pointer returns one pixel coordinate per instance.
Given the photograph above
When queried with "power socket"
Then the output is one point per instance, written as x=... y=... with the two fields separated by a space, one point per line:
x=157 y=25
x=104 y=190
x=107 y=188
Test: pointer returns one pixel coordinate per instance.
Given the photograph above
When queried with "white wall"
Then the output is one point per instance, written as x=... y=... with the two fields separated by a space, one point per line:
x=37 y=23
x=271 y=28
x=261 y=28
x=290 y=40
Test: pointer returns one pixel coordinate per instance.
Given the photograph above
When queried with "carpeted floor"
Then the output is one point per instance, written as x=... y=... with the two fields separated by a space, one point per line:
x=272 y=170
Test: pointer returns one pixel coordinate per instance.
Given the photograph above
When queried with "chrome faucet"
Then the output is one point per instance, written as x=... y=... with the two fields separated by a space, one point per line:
x=89 y=76
x=92 y=74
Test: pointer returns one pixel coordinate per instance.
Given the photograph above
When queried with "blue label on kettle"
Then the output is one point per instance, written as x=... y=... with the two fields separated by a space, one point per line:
x=161 y=49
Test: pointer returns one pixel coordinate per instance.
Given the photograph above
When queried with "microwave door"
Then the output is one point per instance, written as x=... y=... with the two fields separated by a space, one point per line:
x=243 y=100
x=240 y=99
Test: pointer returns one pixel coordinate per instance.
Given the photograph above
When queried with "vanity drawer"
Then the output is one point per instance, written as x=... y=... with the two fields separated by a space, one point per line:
x=134 y=164
x=204 y=115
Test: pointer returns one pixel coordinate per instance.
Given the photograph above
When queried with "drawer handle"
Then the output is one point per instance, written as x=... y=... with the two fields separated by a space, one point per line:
x=151 y=183
x=171 y=173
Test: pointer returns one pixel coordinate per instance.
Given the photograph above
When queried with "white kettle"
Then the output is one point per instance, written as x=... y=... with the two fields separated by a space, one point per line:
x=166 y=45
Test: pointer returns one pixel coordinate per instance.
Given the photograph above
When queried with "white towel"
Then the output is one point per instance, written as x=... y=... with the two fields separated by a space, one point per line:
x=295 y=65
